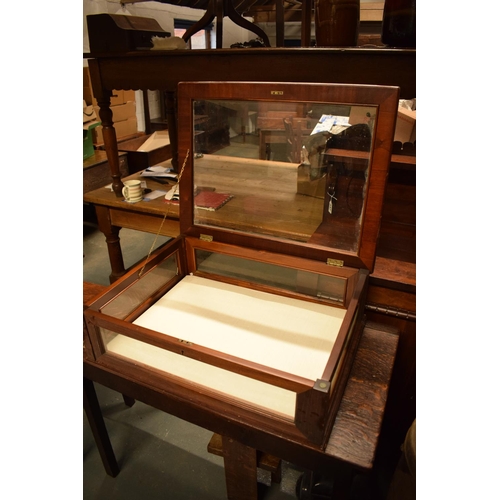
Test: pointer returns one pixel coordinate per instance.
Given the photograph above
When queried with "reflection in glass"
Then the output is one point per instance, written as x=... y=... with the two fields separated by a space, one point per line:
x=330 y=288
x=133 y=296
x=296 y=171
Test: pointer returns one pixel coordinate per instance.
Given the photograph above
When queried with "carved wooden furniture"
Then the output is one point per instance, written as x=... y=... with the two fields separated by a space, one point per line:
x=351 y=446
x=217 y=8
x=220 y=9
x=232 y=9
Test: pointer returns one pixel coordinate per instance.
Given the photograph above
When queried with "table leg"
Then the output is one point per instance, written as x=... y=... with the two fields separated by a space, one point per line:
x=240 y=467
x=128 y=401
x=103 y=97
x=94 y=416
x=111 y=233
x=305 y=35
x=280 y=23
x=342 y=483
x=171 y=115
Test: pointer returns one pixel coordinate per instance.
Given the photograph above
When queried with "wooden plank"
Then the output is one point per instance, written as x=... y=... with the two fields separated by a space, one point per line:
x=363 y=404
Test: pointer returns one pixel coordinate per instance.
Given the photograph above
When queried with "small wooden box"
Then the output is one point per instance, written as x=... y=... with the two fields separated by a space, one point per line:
x=147 y=151
x=256 y=309
x=120 y=33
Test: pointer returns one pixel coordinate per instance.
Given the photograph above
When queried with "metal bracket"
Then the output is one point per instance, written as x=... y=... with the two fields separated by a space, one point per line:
x=322 y=385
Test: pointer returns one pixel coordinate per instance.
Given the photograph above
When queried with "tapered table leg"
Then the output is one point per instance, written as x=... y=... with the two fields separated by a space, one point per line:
x=94 y=416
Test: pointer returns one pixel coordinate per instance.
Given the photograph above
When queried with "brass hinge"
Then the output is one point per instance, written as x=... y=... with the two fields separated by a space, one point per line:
x=335 y=262
x=390 y=311
x=206 y=237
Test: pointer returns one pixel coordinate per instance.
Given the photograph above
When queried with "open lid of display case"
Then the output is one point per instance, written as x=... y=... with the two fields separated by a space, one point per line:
x=292 y=168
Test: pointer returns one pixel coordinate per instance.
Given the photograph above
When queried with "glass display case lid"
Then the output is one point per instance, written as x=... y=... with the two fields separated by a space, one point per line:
x=293 y=168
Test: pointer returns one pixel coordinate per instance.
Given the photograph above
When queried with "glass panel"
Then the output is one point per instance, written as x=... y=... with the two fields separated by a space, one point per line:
x=296 y=171
x=308 y=283
x=133 y=296
x=107 y=336
x=233 y=385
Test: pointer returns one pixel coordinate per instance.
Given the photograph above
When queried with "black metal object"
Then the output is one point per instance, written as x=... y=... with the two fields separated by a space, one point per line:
x=314 y=486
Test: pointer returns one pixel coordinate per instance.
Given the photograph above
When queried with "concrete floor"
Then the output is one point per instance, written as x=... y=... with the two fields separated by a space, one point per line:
x=161 y=457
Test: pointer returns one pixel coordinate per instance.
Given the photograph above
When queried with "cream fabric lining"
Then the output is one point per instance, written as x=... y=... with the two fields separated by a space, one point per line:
x=287 y=334
x=269 y=397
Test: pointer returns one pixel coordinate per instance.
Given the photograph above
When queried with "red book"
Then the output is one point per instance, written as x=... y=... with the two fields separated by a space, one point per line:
x=210 y=200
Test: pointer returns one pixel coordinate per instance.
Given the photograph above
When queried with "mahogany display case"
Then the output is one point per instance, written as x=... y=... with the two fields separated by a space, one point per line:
x=257 y=307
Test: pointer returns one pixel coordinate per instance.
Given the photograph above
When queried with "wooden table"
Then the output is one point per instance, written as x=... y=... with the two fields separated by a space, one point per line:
x=163 y=70
x=114 y=213
x=299 y=215
x=351 y=447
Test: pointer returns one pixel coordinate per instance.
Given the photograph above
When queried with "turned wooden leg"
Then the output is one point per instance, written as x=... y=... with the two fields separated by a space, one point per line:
x=103 y=97
x=111 y=233
x=240 y=467
x=99 y=431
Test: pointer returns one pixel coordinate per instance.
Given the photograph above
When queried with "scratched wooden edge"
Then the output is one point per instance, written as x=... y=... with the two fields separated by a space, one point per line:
x=364 y=400
x=91 y=290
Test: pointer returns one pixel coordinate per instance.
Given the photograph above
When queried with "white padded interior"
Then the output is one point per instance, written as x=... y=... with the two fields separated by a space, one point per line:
x=287 y=334
x=271 y=398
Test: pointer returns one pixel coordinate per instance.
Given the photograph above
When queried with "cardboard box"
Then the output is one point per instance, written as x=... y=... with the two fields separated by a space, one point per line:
x=123 y=129
x=406 y=125
x=117 y=97
x=121 y=112
x=157 y=140
x=89 y=113
x=128 y=95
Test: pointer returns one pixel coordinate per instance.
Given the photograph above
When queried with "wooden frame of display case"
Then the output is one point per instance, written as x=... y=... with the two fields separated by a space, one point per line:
x=316 y=399
x=384 y=98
